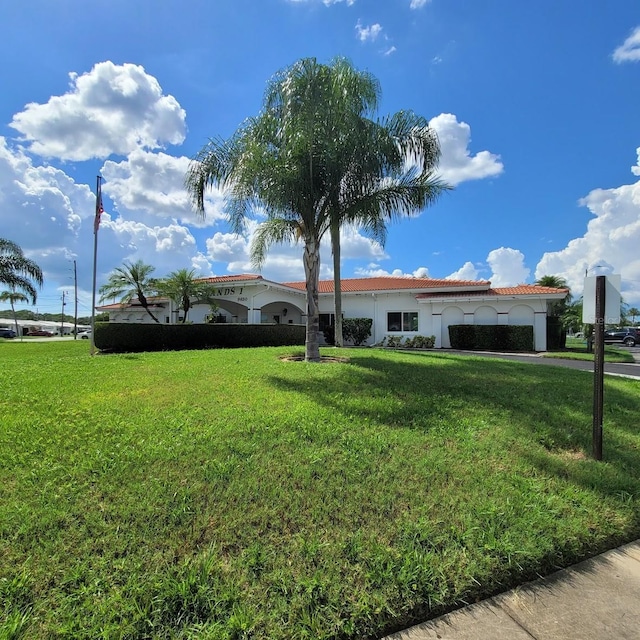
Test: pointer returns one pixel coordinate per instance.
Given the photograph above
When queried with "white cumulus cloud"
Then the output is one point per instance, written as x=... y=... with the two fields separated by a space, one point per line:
x=457 y=164
x=284 y=261
x=629 y=50
x=507 y=266
x=374 y=270
x=418 y=4
x=112 y=109
x=612 y=239
x=154 y=183
x=467 y=271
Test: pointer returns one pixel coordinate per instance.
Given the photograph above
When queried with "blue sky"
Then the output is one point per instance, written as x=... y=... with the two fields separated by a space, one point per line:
x=536 y=106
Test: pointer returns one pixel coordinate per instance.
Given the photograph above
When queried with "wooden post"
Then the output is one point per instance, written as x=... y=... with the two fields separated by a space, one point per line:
x=598 y=367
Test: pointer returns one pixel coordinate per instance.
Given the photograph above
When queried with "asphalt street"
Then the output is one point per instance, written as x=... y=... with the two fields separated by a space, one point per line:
x=630 y=370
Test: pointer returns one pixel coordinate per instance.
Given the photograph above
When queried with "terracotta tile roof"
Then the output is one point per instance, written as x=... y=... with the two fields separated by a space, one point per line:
x=239 y=278
x=390 y=283
x=520 y=290
x=524 y=289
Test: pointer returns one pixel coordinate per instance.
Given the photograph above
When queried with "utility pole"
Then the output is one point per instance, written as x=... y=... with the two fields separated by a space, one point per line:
x=62 y=325
x=75 y=311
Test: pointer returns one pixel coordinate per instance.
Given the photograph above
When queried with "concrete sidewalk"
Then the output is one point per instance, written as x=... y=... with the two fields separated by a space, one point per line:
x=595 y=600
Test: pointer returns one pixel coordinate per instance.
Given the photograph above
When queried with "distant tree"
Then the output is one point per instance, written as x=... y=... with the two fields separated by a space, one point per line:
x=12 y=297
x=18 y=272
x=633 y=313
x=572 y=316
x=184 y=289
x=130 y=281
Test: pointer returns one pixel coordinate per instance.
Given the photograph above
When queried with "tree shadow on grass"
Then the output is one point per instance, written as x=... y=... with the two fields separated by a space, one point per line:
x=549 y=409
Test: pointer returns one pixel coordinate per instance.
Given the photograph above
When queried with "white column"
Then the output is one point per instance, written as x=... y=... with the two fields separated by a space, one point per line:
x=436 y=324
x=540 y=331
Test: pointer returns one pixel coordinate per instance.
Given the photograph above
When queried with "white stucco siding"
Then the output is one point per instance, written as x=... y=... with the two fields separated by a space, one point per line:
x=450 y=315
x=485 y=315
x=521 y=314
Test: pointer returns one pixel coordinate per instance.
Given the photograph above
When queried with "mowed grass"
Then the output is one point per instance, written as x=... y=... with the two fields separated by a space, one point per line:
x=229 y=494
x=577 y=350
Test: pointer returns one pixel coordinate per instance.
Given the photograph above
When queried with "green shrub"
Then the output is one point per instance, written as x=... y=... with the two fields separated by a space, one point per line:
x=329 y=333
x=491 y=337
x=126 y=337
x=556 y=334
x=423 y=342
x=357 y=330
x=392 y=342
x=417 y=342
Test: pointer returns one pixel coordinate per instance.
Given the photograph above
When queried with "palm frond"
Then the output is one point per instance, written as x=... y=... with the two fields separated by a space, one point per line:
x=273 y=231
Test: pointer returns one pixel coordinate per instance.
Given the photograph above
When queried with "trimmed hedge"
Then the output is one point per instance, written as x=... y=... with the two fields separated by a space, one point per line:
x=125 y=337
x=491 y=337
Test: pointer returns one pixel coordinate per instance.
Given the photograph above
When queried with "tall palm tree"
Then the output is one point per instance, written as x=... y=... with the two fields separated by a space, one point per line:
x=182 y=286
x=296 y=159
x=18 y=272
x=130 y=281
x=12 y=297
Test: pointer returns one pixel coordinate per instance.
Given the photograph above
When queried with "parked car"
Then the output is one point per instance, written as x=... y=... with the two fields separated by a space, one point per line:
x=7 y=333
x=626 y=335
x=84 y=335
x=40 y=332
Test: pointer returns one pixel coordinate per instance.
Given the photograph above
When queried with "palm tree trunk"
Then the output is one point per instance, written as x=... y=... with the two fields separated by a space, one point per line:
x=311 y=259
x=15 y=320
x=337 y=286
x=151 y=314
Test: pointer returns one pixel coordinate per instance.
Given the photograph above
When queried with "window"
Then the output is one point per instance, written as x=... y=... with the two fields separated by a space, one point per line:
x=402 y=321
x=326 y=320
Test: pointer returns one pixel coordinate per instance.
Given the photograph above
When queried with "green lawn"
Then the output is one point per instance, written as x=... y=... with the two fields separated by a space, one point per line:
x=577 y=350
x=229 y=494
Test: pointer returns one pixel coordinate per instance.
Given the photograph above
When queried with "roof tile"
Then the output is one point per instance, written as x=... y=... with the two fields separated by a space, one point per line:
x=389 y=283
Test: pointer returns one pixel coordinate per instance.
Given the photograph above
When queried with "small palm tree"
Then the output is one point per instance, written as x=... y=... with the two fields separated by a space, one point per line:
x=633 y=312
x=18 y=272
x=12 y=297
x=182 y=287
x=130 y=281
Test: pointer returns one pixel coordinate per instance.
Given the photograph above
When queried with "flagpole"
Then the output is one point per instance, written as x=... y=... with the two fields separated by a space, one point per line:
x=96 y=225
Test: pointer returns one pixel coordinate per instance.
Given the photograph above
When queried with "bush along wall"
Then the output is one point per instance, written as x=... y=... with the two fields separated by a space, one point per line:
x=354 y=330
x=124 y=337
x=417 y=342
x=491 y=337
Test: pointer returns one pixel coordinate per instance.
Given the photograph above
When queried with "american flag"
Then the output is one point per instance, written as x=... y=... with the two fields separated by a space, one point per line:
x=99 y=207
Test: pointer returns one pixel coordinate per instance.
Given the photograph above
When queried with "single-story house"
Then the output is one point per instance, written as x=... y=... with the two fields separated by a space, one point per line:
x=398 y=306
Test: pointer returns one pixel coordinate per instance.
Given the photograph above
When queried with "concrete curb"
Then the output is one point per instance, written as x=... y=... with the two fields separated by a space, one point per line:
x=595 y=599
